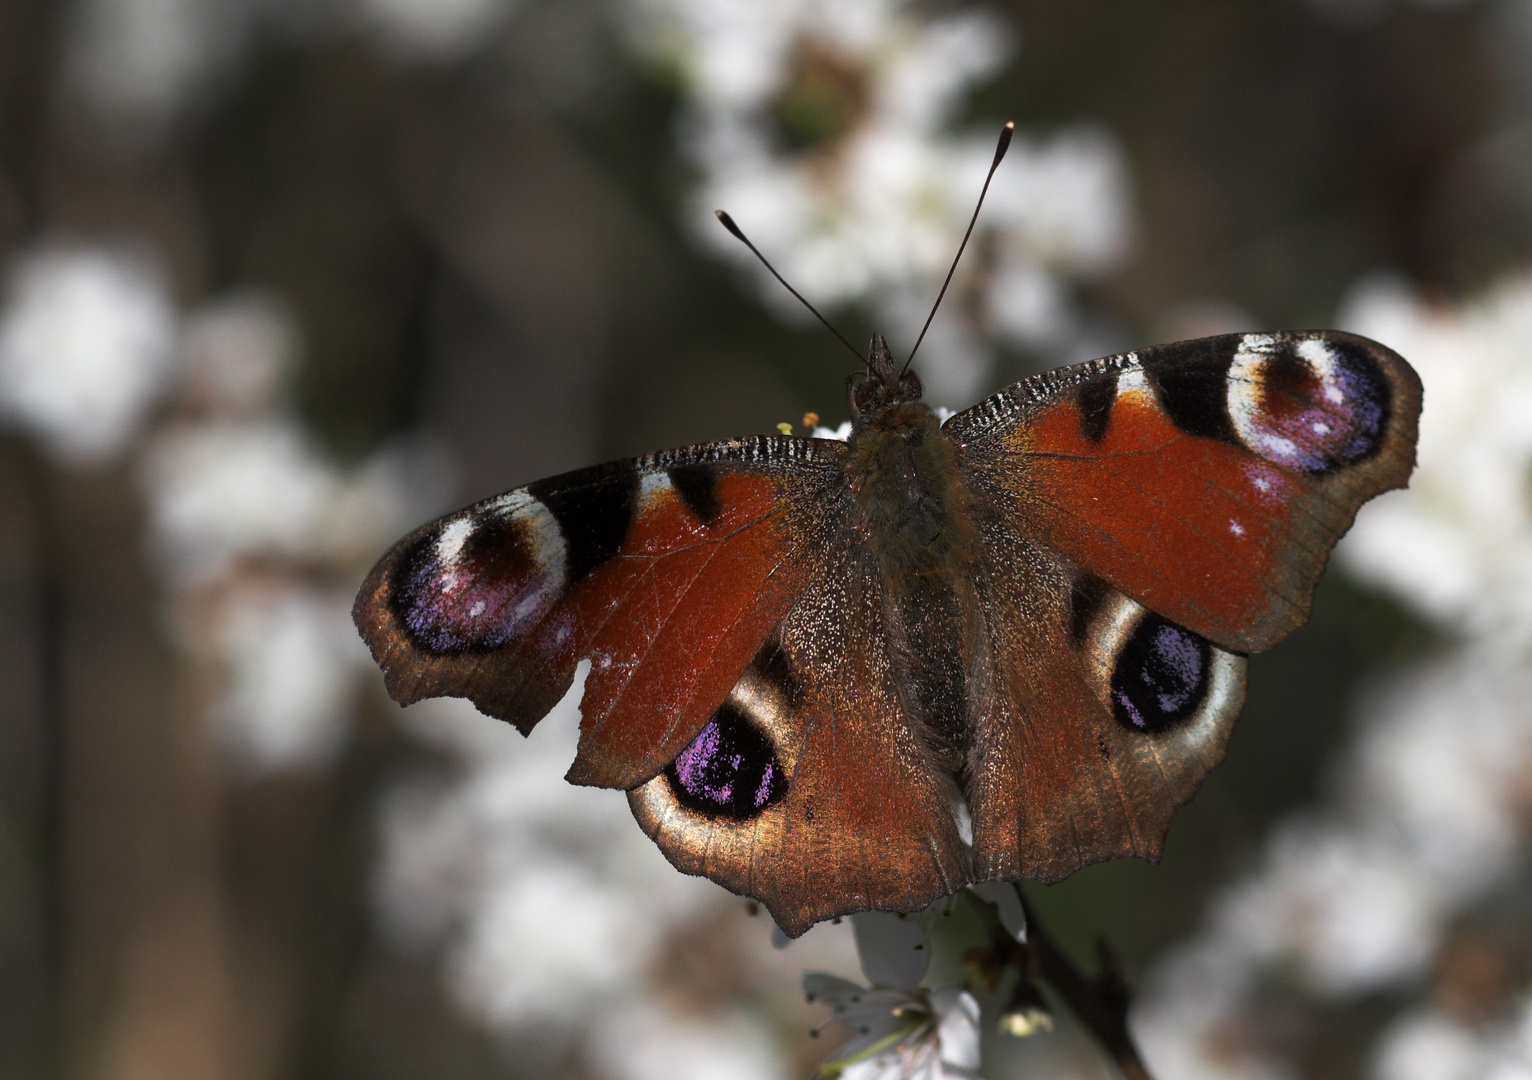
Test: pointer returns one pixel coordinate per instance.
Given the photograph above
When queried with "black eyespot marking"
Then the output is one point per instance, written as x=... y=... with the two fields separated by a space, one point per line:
x=1192 y=379
x=698 y=487
x=593 y=518
x=1086 y=595
x=729 y=770
x=1096 y=400
x=1106 y=751
x=1161 y=676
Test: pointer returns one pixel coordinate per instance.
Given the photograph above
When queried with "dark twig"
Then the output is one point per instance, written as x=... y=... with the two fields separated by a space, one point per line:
x=1102 y=1002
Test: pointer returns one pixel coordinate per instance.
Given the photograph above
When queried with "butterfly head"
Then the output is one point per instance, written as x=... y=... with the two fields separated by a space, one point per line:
x=883 y=385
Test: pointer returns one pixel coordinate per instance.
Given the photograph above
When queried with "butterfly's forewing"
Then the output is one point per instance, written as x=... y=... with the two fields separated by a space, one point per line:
x=1143 y=521
x=1208 y=479
x=811 y=788
x=667 y=571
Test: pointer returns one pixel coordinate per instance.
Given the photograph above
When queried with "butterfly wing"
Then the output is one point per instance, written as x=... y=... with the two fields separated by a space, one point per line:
x=810 y=788
x=1143 y=521
x=1209 y=479
x=1099 y=717
x=667 y=571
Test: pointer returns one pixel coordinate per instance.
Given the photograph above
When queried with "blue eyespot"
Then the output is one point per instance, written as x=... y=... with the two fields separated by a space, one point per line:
x=1161 y=676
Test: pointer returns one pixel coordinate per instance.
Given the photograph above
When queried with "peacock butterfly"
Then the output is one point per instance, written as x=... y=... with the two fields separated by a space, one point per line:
x=813 y=662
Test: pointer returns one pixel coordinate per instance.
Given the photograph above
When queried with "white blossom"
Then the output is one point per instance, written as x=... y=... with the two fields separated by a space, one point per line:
x=1457 y=544
x=824 y=127
x=554 y=902
x=645 y=1041
x=137 y=64
x=223 y=490
x=900 y=1034
x=87 y=340
x=433 y=30
x=260 y=537
x=220 y=490
x=240 y=352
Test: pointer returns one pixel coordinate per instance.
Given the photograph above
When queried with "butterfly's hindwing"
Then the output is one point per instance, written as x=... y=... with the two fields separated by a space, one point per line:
x=812 y=788
x=1099 y=717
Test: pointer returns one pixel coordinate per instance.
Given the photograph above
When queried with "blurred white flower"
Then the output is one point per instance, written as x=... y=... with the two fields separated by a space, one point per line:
x=644 y=1041
x=554 y=901
x=87 y=340
x=1441 y=766
x=1431 y=1045
x=1348 y=910
x=223 y=490
x=260 y=537
x=1190 y=1020
x=1457 y=543
x=292 y=667
x=240 y=351
x=136 y=64
x=823 y=126
x=432 y=30
x=1428 y=815
x=899 y=1034
x=137 y=67
x=220 y=490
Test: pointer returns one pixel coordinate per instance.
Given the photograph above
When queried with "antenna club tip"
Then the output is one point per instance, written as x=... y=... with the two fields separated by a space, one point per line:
x=1005 y=142
x=728 y=223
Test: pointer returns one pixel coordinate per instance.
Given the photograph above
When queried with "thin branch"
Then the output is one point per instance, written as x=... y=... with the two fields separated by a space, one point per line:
x=1102 y=1002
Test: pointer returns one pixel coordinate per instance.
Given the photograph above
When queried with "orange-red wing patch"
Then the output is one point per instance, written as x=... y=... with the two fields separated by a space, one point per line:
x=1205 y=533
x=1062 y=770
x=671 y=622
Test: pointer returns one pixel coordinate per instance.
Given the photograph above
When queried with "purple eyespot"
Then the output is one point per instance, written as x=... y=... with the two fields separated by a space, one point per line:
x=479 y=580
x=729 y=770
x=1312 y=405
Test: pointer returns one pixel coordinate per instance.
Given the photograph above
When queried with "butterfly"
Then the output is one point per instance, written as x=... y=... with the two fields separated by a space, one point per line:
x=844 y=676
x=839 y=676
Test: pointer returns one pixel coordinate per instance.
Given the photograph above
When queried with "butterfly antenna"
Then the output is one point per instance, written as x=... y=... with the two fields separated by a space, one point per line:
x=1005 y=142
x=728 y=223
